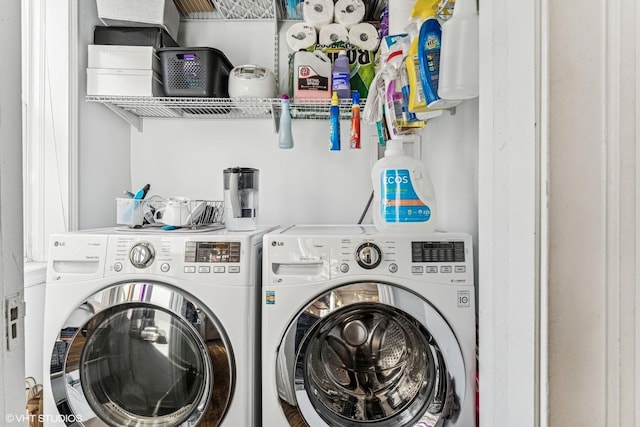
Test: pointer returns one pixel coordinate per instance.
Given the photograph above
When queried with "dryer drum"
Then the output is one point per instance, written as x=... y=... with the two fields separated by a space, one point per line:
x=127 y=375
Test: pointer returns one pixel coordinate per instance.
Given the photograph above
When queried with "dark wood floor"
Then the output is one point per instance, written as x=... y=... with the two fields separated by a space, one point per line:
x=293 y=415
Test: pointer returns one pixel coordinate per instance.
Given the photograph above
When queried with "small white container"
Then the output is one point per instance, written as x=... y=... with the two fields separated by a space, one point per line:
x=251 y=81
x=123 y=57
x=160 y=13
x=121 y=82
x=129 y=211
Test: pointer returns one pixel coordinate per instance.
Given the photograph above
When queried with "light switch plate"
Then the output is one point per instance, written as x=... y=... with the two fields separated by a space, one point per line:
x=14 y=311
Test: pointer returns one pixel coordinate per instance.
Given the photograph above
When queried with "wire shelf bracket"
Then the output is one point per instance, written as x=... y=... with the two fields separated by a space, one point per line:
x=132 y=119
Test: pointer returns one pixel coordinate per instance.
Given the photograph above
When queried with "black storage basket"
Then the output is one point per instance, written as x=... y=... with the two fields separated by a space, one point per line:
x=198 y=71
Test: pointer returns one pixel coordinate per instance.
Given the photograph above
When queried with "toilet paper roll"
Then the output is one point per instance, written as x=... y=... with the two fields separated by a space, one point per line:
x=301 y=36
x=333 y=33
x=349 y=12
x=365 y=36
x=318 y=13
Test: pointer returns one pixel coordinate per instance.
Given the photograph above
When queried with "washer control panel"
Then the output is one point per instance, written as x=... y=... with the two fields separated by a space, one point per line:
x=434 y=257
x=437 y=252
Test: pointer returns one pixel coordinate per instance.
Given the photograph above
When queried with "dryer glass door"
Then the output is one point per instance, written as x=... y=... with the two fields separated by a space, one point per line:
x=143 y=354
x=372 y=354
x=142 y=363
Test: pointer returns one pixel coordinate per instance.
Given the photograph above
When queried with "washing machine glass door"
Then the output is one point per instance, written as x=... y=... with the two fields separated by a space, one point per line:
x=149 y=355
x=371 y=354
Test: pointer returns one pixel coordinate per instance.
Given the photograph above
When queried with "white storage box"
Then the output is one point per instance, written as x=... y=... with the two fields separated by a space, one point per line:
x=124 y=57
x=114 y=82
x=159 y=13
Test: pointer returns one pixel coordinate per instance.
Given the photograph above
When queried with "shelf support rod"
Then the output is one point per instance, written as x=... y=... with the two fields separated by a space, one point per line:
x=276 y=112
x=132 y=119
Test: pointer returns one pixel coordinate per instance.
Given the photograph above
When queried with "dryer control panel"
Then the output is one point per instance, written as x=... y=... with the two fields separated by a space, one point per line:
x=199 y=258
x=212 y=252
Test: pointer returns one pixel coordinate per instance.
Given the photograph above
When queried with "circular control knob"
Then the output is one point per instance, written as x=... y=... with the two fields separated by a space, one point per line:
x=368 y=255
x=141 y=255
x=117 y=267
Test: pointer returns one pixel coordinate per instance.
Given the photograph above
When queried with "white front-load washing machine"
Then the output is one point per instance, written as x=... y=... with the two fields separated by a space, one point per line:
x=153 y=329
x=361 y=328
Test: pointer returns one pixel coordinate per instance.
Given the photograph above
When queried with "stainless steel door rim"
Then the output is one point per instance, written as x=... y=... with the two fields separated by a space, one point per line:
x=370 y=354
x=144 y=354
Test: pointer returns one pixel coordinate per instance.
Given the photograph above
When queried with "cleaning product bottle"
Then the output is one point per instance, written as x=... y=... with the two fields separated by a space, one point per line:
x=285 y=138
x=459 y=56
x=354 y=140
x=395 y=115
x=403 y=197
x=334 y=120
x=312 y=75
x=423 y=60
x=407 y=115
x=340 y=76
x=420 y=12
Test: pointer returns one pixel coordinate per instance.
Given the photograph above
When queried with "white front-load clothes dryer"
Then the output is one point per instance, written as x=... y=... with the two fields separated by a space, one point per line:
x=366 y=329
x=152 y=329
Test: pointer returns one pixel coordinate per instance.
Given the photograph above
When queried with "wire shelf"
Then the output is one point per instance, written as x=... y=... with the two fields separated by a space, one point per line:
x=220 y=108
x=230 y=9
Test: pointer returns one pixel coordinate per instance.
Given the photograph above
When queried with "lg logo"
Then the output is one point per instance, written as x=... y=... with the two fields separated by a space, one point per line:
x=274 y=243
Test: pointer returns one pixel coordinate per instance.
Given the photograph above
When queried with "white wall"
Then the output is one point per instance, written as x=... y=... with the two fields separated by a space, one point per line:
x=308 y=184
x=12 y=397
x=103 y=140
x=509 y=210
x=47 y=128
x=594 y=297
x=34 y=320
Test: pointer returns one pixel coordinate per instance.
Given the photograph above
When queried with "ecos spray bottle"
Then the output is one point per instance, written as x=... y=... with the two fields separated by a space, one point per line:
x=403 y=197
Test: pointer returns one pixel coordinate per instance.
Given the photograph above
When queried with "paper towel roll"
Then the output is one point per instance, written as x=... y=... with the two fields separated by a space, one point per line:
x=301 y=36
x=365 y=36
x=349 y=12
x=333 y=33
x=318 y=12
